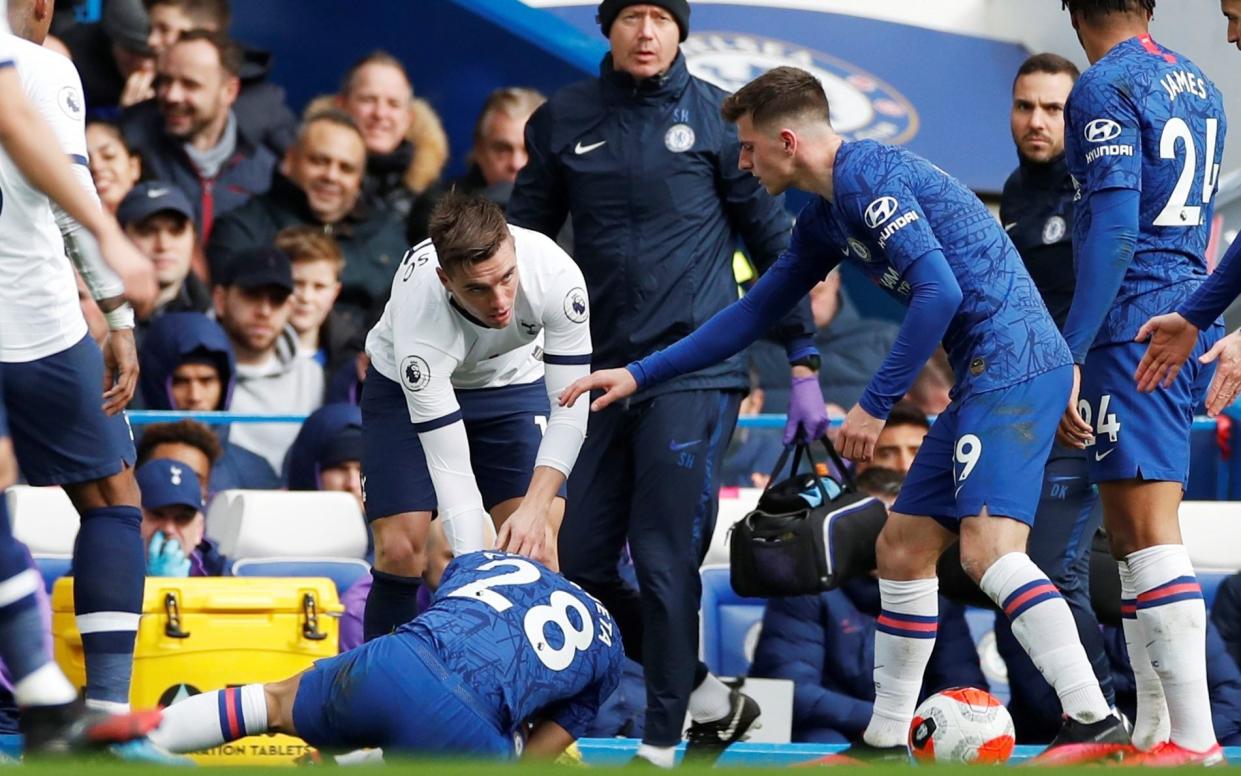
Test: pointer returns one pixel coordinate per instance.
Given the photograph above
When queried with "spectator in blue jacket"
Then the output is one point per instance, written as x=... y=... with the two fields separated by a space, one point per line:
x=194 y=141
x=187 y=364
x=327 y=454
x=826 y=643
x=1223 y=682
x=1226 y=614
x=645 y=167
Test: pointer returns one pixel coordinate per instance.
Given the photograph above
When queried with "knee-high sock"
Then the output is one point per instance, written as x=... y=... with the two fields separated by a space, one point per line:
x=1152 y=725
x=109 y=570
x=1045 y=628
x=24 y=643
x=1172 y=615
x=212 y=718
x=904 y=637
x=392 y=602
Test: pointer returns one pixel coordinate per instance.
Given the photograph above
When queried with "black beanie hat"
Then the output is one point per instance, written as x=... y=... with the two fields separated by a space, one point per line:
x=610 y=9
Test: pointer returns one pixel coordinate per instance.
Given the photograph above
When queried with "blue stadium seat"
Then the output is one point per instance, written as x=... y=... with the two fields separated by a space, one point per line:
x=1210 y=582
x=343 y=571
x=730 y=624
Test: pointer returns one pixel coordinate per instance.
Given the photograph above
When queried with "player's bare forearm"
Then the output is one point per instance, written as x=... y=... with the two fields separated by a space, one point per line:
x=545 y=484
x=547 y=741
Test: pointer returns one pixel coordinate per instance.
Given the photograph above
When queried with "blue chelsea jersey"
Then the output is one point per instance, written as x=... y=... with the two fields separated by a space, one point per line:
x=891 y=208
x=524 y=639
x=1145 y=118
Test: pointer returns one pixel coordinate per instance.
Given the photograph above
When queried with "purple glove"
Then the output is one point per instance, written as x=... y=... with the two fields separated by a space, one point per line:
x=808 y=419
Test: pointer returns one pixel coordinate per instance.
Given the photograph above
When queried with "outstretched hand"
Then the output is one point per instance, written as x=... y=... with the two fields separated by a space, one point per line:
x=616 y=384
x=1172 y=339
x=1227 y=380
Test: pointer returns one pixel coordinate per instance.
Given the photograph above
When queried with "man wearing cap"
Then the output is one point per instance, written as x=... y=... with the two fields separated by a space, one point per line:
x=173 y=526
x=253 y=304
x=158 y=217
x=645 y=166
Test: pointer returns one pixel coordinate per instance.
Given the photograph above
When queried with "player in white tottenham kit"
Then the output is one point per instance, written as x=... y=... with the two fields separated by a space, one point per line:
x=54 y=389
x=51 y=717
x=457 y=352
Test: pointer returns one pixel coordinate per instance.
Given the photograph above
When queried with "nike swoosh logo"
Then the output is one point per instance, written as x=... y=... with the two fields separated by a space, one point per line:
x=1100 y=456
x=155 y=193
x=675 y=446
x=1009 y=227
x=580 y=149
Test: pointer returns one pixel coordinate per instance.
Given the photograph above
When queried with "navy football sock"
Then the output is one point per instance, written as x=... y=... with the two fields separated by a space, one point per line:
x=393 y=601
x=109 y=567
x=23 y=643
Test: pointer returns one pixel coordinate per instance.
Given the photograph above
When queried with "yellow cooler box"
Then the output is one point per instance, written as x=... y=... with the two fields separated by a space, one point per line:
x=205 y=633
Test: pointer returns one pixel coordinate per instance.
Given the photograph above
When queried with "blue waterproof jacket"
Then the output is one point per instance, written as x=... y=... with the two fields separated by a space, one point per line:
x=826 y=644
x=171 y=340
x=648 y=172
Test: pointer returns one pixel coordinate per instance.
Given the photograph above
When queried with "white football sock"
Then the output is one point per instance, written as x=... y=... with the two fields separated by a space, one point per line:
x=710 y=700
x=200 y=722
x=904 y=637
x=1172 y=614
x=1151 y=724
x=45 y=686
x=1044 y=626
x=663 y=756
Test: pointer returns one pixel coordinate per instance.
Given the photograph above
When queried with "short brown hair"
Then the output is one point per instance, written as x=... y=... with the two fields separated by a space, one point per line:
x=231 y=56
x=1052 y=64
x=202 y=12
x=377 y=57
x=466 y=229
x=332 y=116
x=512 y=101
x=182 y=432
x=780 y=92
x=306 y=243
x=906 y=413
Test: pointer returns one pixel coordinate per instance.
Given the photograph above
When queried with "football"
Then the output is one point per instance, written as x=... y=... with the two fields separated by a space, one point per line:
x=961 y=725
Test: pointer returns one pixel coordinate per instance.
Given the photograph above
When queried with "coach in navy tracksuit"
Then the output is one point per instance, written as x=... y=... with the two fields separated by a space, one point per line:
x=643 y=163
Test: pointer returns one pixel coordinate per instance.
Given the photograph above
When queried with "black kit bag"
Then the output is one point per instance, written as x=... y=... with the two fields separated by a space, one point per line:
x=780 y=548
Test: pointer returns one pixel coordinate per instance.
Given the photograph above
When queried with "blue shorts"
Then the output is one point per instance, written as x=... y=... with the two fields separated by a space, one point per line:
x=393 y=692
x=988 y=450
x=1141 y=436
x=60 y=432
x=504 y=426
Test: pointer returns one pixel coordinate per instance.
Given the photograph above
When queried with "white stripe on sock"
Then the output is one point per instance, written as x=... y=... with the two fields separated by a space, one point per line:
x=107 y=622
x=18 y=586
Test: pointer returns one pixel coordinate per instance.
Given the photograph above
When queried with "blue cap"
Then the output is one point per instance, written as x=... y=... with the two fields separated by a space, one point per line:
x=151 y=197
x=165 y=483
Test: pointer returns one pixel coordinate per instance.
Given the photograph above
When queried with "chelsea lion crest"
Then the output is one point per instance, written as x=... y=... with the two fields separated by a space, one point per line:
x=864 y=107
x=679 y=138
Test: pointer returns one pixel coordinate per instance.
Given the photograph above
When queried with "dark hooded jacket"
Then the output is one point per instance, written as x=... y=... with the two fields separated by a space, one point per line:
x=302 y=464
x=173 y=339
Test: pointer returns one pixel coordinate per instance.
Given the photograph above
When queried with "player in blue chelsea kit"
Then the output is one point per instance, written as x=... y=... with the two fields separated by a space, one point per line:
x=923 y=236
x=1144 y=135
x=506 y=642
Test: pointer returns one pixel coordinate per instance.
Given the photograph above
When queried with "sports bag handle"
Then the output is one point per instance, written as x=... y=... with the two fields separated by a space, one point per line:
x=799 y=449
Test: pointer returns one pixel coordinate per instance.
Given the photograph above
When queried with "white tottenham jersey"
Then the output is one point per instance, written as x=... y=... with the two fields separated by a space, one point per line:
x=425 y=343
x=429 y=346
x=39 y=310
